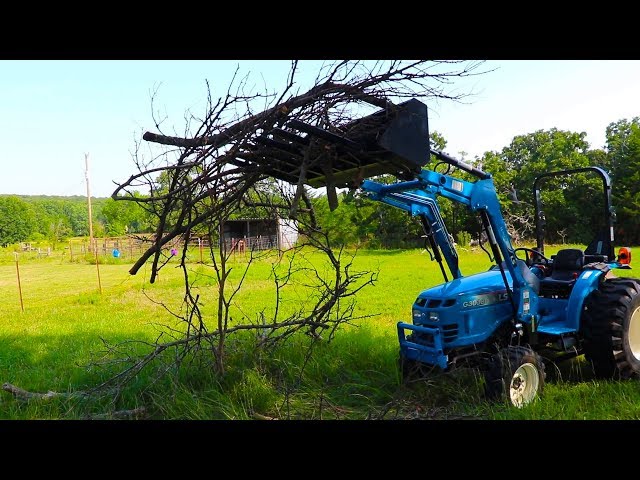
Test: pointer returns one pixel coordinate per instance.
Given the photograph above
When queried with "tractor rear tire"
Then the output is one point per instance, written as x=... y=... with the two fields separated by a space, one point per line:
x=611 y=328
x=515 y=374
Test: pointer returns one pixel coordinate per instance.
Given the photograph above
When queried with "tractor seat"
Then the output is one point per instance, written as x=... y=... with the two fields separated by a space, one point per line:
x=566 y=267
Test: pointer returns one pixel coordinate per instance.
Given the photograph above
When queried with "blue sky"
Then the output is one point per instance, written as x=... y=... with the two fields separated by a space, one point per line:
x=53 y=112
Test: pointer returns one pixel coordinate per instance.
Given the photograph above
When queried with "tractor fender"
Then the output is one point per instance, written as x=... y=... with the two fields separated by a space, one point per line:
x=586 y=283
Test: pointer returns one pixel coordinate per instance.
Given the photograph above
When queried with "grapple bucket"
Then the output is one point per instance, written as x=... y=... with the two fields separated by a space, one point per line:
x=394 y=140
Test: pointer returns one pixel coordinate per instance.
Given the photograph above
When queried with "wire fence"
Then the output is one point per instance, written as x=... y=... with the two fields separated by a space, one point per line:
x=129 y=248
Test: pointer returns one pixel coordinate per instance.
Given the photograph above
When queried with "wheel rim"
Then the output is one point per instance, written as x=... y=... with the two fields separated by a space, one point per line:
x=524 y=384
x=634 y=333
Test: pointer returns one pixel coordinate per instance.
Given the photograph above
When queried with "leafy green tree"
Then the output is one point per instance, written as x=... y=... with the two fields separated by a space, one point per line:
x=568 y=202
x=438 y=141
x=623 y=152
x=342 y=223
x=121 y=217
x=363 y=222
x=540 y=152
x=59 y=231
x=65 y=215
x=17 y=221
x=77 y=214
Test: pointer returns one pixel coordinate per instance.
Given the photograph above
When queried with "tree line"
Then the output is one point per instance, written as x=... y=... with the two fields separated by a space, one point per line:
x=569 y=204
x=573 y=206
x=55 y=218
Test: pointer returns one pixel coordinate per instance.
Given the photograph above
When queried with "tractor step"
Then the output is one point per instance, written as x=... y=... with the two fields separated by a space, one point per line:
x=552 y=329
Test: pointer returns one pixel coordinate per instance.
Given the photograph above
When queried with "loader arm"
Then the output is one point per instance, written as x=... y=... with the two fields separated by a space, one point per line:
x=420 y=202
x=419 y=197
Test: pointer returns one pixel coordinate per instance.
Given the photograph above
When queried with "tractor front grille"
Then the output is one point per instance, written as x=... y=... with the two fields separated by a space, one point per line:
x=421 y=339
x=449 y=332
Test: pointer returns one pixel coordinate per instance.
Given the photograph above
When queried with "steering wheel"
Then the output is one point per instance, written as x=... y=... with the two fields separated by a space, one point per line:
x=535 y=252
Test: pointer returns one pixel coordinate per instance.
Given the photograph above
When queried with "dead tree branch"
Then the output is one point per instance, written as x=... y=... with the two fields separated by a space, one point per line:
x=239 y=162
x=229 y=156
x=25 y=396
x=133 y=414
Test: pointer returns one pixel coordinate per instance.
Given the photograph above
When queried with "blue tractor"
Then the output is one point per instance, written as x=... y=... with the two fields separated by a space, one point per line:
x=504 y=319
x=526 y=306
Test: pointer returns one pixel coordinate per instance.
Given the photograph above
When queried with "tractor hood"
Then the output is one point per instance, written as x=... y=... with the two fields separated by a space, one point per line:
x=475 y=290
x=466 y=310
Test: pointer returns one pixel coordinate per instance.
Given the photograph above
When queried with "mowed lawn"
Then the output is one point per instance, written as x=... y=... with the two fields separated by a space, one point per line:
x=57 y=344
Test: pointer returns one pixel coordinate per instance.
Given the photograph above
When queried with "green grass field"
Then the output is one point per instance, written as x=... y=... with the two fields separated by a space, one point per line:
x=50 y=344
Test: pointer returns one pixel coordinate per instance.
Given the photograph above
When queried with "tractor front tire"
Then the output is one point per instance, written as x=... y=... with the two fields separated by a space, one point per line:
x=411 y=370
x=515 y=374
x=611 y=328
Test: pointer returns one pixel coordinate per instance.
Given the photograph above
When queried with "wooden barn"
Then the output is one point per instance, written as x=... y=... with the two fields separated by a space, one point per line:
x=260 y=233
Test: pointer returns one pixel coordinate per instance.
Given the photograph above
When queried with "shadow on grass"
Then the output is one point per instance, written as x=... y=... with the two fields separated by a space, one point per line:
x=43 y=363
x=355 y=376
x=574 y=370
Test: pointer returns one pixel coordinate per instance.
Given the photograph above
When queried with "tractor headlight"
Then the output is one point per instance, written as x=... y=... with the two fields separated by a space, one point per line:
x=433 y=316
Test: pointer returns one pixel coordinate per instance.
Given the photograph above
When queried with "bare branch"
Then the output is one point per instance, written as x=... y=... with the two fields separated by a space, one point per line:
x=241 y=161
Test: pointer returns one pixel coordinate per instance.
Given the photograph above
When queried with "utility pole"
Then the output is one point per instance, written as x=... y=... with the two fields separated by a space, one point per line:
x=91 y=242
x=86 y=176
